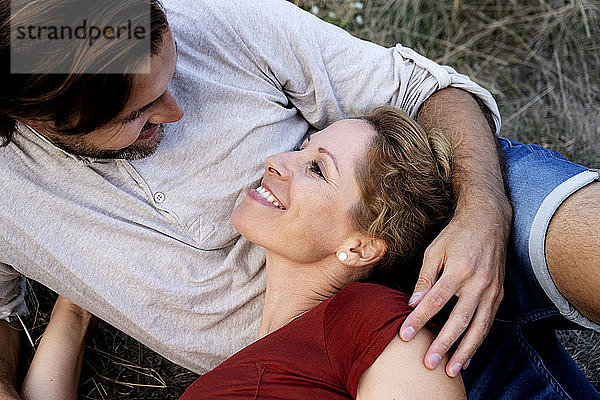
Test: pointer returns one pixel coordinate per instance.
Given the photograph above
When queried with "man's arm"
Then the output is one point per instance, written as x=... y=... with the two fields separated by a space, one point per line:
x=324 y=72
x=10 y=340
x=470 y=251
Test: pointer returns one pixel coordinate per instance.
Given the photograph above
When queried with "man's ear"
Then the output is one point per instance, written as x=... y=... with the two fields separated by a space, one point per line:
x=361 y=251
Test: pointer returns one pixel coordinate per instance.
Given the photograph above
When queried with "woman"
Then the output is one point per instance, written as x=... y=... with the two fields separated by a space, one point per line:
x=359 y=200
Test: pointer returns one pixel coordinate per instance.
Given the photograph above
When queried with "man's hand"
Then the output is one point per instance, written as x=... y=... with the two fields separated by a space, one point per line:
x=467 y=258
x=469 y=254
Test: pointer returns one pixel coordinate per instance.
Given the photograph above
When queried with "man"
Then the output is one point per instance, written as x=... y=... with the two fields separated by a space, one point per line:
x=147 y=245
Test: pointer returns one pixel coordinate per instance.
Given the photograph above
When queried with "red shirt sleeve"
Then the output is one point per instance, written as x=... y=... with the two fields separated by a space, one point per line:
x=360 y=321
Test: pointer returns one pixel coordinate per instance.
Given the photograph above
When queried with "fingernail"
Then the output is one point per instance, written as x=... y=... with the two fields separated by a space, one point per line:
x=414 y=298
x=467 y=364
x=407 y=333
x=455 y=369
x=433 y=360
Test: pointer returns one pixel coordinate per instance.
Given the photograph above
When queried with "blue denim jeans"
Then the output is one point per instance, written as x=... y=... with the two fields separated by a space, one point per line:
x=521 y=358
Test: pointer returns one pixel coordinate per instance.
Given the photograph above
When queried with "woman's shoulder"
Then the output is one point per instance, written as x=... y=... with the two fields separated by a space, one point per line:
x=366 y=298
x=361 y=335
x=364 y=308
x=359 y=322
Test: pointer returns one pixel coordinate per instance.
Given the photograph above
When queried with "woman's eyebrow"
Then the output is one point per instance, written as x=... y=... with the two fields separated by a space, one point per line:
x=325 y=151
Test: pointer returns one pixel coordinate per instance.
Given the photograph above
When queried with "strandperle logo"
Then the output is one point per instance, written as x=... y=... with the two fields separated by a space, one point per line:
x=83 y=31
x=80 y=36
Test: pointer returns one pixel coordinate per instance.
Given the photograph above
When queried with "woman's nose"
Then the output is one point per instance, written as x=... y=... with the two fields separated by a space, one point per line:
x=276 y=166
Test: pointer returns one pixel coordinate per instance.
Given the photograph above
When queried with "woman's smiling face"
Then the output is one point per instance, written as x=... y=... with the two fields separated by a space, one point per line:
x=302 y=208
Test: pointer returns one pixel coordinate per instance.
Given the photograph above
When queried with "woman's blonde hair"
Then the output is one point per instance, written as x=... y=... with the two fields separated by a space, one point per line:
x=406 y=190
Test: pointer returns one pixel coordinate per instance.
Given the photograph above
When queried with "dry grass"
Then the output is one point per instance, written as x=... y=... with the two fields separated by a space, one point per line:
x=540 y=59
x=584 y=347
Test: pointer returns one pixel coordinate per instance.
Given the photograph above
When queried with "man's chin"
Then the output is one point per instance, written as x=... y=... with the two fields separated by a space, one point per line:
x=135 y=151
x=140 y=149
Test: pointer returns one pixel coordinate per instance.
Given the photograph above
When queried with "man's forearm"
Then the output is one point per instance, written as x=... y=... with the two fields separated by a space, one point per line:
x=10 y=339
x=477 y=175
x=467 y=258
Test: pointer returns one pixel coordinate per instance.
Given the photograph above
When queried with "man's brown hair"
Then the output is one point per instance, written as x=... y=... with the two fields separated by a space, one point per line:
x=73 y=103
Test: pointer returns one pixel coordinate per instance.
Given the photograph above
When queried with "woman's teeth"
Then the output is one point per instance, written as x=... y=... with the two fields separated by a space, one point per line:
x=270 y=198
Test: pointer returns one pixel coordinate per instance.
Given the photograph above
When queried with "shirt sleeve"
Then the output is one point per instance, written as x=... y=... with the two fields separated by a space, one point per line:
x=360 y=321
x=12 y=293
x=328 y=74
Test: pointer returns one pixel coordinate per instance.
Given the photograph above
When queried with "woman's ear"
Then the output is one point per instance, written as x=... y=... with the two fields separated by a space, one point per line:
x=361 y=251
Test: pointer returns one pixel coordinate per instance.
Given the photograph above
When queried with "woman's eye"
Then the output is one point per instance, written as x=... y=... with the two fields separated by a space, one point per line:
x=314 y=168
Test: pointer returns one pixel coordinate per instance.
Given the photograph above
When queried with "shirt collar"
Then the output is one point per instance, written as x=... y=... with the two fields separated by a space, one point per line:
x=63 y=153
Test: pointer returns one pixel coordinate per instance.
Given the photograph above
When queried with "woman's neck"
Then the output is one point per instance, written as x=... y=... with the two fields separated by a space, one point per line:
x=295 y=288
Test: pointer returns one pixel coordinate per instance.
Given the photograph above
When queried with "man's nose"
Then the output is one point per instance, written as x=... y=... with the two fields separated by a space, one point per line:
x=169 y=111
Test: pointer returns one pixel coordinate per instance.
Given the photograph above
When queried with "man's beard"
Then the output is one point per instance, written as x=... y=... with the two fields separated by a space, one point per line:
x=134 y=151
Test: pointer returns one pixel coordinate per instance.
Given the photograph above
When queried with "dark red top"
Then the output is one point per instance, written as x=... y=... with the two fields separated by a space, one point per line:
x=320 y=355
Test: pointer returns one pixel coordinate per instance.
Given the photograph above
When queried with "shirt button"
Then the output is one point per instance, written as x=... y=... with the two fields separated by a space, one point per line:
x=159 y=197
x=62 y=154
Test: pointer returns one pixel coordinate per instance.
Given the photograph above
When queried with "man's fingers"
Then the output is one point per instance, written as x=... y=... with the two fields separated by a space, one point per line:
x=423 y=285
x=457 y=323
x=432 y=263
x=480 y=327
x=430 y=305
